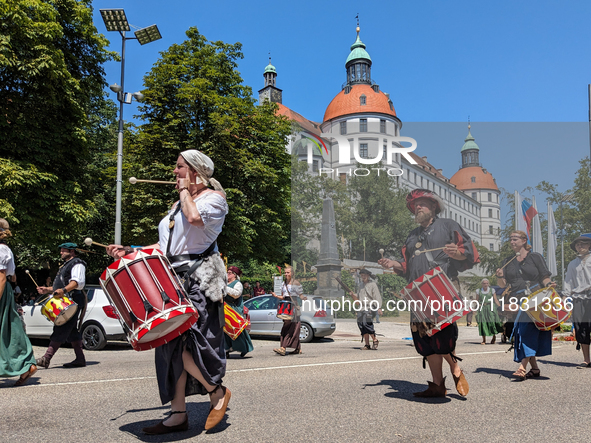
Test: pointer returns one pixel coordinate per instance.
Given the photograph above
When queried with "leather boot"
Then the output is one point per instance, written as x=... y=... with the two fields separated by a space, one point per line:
x=433 y=390
x=80 y=361
x=461 y=384
x=43 y=362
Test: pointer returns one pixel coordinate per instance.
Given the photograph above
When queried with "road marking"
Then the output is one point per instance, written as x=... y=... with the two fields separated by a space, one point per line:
x=87 y=382
x=309 y=365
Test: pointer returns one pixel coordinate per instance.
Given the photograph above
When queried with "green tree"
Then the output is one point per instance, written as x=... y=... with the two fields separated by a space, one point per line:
x=379 y=217
x=196 y=99
x=51 y=72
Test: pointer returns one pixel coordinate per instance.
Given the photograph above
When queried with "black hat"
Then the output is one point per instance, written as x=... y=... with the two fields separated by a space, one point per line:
x=582 y=237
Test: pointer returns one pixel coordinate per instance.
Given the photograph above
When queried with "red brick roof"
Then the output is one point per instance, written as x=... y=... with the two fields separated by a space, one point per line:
x=345 y=104
x=482 y=179
x=307 y=125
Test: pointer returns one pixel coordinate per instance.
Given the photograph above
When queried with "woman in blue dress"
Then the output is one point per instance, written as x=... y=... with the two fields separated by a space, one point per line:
x=243 y=343
x=526 y=272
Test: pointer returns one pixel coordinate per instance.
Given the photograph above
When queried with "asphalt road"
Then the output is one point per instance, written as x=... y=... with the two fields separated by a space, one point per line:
x=332 y=392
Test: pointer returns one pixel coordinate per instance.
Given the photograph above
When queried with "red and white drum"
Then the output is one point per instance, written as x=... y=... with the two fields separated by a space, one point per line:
x=545 y=308
x=152 y=305
x=434 y=300
x=285 y=310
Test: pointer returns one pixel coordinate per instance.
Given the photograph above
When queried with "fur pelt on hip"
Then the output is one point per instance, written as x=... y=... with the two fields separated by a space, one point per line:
x=212 y=277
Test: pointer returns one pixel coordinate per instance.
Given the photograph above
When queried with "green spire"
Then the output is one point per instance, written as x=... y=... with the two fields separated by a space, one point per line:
x=270 y=68
x=469 y=142
x=358 y=50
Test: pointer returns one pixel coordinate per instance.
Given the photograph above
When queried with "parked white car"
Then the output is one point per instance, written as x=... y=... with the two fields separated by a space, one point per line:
x=100 y=321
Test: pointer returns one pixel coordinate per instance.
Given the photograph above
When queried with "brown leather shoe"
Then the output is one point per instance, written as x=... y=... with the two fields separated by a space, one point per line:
x=433 y=390
x=461 y=384
x=26 y=376
x=161 y=428
x=216 y=415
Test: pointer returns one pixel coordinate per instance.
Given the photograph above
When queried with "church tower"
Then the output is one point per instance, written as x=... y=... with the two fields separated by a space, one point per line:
x=270 y=91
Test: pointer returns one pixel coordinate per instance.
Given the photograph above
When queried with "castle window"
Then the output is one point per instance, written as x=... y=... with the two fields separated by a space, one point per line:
x=362 y=125
x=343 y=128
x=492 y=247
x=490 y=229
x=473 y=179
x=490 y=213
x=362 y=100
x=489 y=197
x=363 y=152
x=382 y=126
x=474 y=195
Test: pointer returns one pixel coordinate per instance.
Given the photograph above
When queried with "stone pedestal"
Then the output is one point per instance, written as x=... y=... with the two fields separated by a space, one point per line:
x=329 y=264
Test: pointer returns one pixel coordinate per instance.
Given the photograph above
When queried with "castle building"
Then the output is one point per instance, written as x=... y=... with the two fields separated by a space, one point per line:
x=365 y=115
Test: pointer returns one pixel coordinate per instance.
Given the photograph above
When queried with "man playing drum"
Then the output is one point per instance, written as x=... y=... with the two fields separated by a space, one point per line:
x=577 y=284
x=457 y=253
x=69 y=281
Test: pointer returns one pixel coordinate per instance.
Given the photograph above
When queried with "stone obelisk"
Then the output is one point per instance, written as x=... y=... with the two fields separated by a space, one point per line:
x=329 y=264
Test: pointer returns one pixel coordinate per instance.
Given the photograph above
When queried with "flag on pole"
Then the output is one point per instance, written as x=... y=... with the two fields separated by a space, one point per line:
x=520 y=224
x=552 y=242
x=529 y=212
x=537 y=244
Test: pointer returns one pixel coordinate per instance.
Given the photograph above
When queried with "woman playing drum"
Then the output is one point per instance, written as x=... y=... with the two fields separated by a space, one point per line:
x=243 y=343
x=525 y=272
x=195 y=362
x=291 y=291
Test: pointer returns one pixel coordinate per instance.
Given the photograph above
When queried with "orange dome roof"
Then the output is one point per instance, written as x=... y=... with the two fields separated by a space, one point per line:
x=473 y=177
x=345 y=104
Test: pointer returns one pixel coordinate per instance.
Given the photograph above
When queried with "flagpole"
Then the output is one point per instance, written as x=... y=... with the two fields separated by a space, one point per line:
x=516 y=211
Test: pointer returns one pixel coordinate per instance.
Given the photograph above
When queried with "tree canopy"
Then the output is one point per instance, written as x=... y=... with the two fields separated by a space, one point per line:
x=196 y=99
x=51 y=76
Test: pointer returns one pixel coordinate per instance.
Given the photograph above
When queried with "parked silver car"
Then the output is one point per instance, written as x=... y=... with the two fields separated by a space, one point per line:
x=317 y=320
x=100 y=322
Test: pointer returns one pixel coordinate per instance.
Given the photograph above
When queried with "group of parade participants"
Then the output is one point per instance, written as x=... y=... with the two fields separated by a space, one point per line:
x=195 y=361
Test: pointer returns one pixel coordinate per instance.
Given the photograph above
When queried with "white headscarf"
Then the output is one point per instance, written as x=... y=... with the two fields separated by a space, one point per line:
x=203 y=166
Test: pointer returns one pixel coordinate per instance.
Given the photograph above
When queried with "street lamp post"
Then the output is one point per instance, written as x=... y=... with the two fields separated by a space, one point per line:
x=115 y=20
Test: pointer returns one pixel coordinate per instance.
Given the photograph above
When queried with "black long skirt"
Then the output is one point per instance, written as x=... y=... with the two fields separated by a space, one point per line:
x=204 y=341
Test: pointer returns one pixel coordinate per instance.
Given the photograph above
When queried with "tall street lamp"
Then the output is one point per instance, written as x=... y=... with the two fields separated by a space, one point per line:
x=115 y=20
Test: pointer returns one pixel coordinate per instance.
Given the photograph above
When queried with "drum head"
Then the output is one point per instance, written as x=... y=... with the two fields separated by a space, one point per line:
x=163 y=328
x=67 y=313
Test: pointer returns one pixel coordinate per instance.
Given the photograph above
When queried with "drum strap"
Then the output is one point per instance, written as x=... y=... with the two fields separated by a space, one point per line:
x=171 y=227
x=189 y=257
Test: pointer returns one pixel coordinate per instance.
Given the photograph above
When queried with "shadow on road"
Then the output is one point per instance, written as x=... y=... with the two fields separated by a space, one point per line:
x=404 y=389
x=197 y=416
x=566 y=364
x=494 y=371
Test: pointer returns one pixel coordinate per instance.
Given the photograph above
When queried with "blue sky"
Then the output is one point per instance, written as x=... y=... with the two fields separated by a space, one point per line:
x=441 y=61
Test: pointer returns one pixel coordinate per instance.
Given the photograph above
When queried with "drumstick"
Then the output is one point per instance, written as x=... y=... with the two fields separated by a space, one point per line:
x=88 y=241
x=134 y=180
x=517 y=254
x=340 y=282
x=417 y=252
x=29 y=274
x=381 y=251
